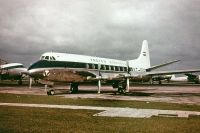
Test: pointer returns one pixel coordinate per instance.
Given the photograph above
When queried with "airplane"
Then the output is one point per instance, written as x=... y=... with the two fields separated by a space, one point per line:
x=76 y=69
x=13 y=71
x=172 y=78
x=161 y=78
x=188 y=78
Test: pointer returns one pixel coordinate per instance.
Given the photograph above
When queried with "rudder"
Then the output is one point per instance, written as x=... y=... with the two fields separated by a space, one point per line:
x=143 y=61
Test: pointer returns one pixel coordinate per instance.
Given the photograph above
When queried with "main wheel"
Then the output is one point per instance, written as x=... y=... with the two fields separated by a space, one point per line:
x=74 y=88
x=122 y=87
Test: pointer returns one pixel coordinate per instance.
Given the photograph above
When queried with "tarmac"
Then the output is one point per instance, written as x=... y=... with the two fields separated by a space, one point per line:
x=183 y=94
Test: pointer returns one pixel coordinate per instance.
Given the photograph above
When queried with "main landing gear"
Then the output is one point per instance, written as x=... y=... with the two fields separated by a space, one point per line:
x=122 y=86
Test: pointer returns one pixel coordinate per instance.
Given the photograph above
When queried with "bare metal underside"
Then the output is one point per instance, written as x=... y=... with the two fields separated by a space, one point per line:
x=75 y=75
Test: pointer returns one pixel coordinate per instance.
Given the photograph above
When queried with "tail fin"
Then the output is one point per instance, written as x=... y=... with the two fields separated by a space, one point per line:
x=143 y=61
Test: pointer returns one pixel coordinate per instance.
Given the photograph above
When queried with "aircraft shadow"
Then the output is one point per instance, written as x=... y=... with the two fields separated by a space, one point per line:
x=164 y=94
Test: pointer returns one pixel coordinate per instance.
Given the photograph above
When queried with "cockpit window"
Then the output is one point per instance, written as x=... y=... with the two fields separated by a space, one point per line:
x=42 y=57
x=47 y=57
x=53 y=58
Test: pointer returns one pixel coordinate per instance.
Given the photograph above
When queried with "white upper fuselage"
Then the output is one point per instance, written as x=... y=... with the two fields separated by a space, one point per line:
x=10 y=65
x=53 y=60
x=14 y=66
x=82 y=59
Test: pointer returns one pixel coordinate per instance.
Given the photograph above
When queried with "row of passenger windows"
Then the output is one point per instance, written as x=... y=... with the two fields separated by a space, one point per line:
x=106 y=67
x=48 y=58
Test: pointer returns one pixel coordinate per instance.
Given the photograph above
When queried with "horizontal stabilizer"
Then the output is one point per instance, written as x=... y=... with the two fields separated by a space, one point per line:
x=161 y=65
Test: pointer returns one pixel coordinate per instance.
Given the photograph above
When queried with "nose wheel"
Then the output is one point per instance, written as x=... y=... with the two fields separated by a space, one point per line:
x=74 y=87
x=51 y=92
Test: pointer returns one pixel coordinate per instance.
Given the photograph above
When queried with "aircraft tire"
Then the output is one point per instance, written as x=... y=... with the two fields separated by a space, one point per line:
x=74 y=88
x=48 y=93
x=51 y=92
x=122 y=88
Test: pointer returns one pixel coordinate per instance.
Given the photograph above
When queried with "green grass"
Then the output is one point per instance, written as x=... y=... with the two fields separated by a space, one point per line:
x=24 y=119
x=27 y=119
x=19 y=98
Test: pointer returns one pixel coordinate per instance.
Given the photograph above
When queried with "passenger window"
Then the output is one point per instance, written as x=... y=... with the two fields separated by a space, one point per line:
x=117 y=68
x=107 y=67
x=96 y=66
x=113 y=68
x=103 y=67
x=125 y=68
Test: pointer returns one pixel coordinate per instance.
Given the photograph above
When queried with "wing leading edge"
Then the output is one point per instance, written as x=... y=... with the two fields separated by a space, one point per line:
x=172 y=72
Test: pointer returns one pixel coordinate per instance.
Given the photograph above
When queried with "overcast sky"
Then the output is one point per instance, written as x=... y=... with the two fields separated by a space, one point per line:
x=105 y=28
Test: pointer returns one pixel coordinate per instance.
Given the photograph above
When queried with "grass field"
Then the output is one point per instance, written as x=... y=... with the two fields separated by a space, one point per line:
x=20 y=98
x=21 y=119
x=24 y=119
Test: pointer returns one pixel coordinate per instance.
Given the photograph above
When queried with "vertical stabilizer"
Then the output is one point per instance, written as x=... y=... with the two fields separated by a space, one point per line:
x=143 y=61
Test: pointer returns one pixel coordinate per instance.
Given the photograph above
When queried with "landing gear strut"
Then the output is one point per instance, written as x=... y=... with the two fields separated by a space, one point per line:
x=74 y=87
x=123 y=86
x=99 y=86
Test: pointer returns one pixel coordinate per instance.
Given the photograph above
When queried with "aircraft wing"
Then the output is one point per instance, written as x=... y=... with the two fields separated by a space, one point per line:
x=172 y=72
